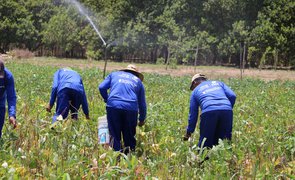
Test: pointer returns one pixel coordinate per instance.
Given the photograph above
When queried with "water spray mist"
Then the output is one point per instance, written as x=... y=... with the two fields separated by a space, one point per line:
x=79 y=7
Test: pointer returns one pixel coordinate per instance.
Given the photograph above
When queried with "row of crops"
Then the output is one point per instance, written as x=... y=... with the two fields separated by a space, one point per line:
x=263 y=144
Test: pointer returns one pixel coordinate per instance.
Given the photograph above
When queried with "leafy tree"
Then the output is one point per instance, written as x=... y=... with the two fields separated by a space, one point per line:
x=151 y=29
x=230 y=46
x=61 y=32
x=91 y=42
x=40 y=13
x=26 y=33
x=171 y=34
x=198 y=43
x=275 y=29
x=12 y=14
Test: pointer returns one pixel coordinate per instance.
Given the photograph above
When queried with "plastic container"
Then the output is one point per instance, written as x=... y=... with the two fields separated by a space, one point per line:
x=103 y=130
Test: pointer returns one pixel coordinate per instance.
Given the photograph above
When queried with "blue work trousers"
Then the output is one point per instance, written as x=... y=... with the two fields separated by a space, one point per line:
x=215 y=125
x=68 y=99
x=2 y=118
x=122 y=122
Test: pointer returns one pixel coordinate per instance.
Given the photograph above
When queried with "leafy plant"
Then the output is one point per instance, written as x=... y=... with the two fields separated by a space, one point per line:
x=262 y=146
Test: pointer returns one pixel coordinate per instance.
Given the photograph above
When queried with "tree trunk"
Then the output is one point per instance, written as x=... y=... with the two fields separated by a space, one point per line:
x=229 y=59
x=168 y=58
x=241 y=60
x=5 y=47
x=155 y=54
x=215 y=55
x=244 y=57
x=52 y=51
x=196 y=58
x=276 y=54
x=2 y=50
x=165 y=54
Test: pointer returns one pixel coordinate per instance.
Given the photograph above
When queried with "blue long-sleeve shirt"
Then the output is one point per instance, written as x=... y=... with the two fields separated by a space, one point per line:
x=126 y=92
x=210 y=96
x=67 y=78
x=7 y=92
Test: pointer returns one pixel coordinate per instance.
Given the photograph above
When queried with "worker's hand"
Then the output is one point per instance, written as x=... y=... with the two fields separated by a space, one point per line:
x=187 y=136
x=87 y=116
x=141 y=123
x=12 y=121
x=48 y=108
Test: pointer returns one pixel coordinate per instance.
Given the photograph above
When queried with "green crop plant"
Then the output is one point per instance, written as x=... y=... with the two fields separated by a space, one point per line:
x=262 y=147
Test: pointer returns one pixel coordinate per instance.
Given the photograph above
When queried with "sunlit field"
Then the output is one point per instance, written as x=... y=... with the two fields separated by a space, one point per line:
x=263 y=144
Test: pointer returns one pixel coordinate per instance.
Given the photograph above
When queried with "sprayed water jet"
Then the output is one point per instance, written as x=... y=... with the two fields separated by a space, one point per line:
x=82 y=11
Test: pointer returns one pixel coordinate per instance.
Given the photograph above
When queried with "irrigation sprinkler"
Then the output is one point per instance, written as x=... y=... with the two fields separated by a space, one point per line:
x=114 y=43
x=105 y=62
x=80 y=8
x=82 y=11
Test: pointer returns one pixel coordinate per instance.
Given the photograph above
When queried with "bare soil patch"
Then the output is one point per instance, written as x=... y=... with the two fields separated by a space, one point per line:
x=212 y=72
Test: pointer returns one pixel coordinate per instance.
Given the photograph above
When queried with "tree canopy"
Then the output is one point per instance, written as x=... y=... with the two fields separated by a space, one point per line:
x=154 y=31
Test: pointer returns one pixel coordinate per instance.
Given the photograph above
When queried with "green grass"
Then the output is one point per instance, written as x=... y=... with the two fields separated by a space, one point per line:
x=263 y=144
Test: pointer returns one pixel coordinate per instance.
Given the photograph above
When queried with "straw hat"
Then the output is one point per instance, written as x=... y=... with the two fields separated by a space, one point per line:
x=133 y=68
x=196 y=76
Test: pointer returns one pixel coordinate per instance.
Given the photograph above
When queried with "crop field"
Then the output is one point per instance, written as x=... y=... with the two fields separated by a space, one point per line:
x=263 y=144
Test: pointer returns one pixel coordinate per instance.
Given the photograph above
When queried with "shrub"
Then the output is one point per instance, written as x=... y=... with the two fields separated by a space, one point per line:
x=21 y=53
x=92 y=54
x=161 y=61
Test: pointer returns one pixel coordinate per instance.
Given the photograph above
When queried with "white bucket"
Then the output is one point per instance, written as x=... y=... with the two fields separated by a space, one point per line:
x=103 y=130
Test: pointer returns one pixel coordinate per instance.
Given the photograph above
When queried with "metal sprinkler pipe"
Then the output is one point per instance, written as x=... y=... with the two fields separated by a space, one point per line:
x=105 y=61
x=114 y=43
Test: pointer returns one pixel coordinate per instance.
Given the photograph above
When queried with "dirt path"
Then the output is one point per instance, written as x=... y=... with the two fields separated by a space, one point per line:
x=211 y=71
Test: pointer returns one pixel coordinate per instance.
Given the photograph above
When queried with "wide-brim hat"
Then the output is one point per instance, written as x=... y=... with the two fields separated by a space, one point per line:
x=133 y=69
x=196 y=76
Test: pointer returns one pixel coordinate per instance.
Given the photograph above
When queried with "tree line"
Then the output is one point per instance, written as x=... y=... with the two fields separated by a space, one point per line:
x=155 y=31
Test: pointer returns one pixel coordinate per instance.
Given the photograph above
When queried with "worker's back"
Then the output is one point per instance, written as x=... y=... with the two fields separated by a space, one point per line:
x=214 y=95
x=126 y=90
x=67 y=78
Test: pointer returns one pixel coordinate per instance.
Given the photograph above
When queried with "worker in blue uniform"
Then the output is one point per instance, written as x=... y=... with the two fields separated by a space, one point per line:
x=216 y=101
x=69 y=91
x=123 y=103
x=7 y=93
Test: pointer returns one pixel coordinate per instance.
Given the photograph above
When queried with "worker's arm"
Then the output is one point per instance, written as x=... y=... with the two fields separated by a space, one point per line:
x=229 y=94
x=142 y=104
x=54 y=89
x=11 y=97
x=193 y=114
x=104 y=86
x=85 y=106
x=85 y=103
